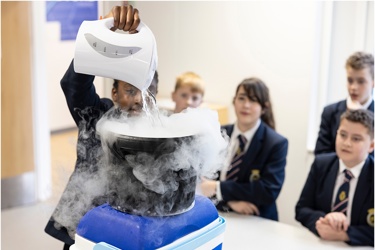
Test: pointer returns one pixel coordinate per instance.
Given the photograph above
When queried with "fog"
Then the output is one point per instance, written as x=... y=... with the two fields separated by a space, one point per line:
x=146 y=165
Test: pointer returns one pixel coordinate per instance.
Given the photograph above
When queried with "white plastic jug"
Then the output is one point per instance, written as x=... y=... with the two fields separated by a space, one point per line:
x=118 y=55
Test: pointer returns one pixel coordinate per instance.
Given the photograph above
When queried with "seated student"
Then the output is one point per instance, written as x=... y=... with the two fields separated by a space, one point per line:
x=360 y=84
x=251 y=181
x=337 y=201
x=188 y=92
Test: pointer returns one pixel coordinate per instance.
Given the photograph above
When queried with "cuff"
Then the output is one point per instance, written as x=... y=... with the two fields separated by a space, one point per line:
x=218 y=191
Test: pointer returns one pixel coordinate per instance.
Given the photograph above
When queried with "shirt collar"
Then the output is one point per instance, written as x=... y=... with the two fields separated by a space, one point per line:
x=356 y=170
x=249 y=134
x=349 y=104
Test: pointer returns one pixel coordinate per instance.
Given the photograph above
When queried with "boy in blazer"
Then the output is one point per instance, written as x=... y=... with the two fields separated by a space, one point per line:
x=360 y=84
x=337 y=201
x=254 y=175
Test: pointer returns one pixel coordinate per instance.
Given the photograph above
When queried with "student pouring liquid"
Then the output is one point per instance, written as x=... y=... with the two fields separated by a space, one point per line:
x=86 y=108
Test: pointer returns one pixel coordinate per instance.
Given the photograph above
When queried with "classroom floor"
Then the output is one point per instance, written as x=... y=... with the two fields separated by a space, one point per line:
x=23 y=227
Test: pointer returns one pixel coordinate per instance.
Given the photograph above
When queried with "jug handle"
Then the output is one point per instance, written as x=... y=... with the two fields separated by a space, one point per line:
x=108 y=22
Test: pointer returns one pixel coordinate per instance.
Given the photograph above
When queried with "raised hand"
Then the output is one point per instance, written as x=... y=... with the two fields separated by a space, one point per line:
x=126 y=18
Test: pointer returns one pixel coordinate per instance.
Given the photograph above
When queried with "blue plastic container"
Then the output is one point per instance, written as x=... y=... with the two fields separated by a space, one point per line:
x=108 y=228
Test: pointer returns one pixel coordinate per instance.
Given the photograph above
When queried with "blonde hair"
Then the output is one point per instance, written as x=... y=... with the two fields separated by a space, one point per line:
x=191 y=80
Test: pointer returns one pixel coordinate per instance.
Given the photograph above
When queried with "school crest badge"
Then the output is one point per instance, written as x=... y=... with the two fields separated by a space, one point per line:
x=255 y=175
x=370 y=217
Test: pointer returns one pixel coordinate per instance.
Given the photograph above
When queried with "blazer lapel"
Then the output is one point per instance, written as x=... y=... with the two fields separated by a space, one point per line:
x=255 y=146
x=362 y=191
x=371 y=107
x=330 y=185
x=340 y=109
x=229 y=129
x=252 y=152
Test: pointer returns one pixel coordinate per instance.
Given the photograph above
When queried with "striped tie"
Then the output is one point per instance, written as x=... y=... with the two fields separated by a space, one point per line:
x=341 y=202
x=237 y=159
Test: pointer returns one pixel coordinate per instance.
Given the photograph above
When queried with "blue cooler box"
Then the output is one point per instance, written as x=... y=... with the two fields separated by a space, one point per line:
x=104 y=228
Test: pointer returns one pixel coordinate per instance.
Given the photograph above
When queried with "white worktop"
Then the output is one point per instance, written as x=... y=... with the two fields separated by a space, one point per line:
x=253 y=232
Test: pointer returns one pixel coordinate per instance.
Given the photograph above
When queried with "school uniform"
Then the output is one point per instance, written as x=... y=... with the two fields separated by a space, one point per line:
x=86 y=108
x=330 y=121
x=318 y=194
x=261 y=173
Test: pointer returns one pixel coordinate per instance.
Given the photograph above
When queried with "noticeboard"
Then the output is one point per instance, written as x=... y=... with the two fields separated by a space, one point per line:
x=71 y=14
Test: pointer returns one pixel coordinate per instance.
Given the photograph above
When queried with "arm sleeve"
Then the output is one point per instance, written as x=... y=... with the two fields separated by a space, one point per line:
x=79 y=91
x=324 y=143
x=305 y=212
x=361 y=235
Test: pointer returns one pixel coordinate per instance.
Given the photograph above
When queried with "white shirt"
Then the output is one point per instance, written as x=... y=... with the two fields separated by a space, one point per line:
x=351 y=105
x=233 y=145
x=356 y=170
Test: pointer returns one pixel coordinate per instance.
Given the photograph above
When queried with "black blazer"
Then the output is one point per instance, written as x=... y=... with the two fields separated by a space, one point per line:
x=330 y=121
x=267 y=154
x=316 y=198
x=80 y=94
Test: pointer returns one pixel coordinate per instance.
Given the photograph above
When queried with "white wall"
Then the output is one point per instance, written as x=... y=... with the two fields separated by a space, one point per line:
x=58 y=57
x=42 y=159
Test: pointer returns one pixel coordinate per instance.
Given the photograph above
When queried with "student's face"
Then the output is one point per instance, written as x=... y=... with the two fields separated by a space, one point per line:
x=353 y=143
x=247 y=111
x=185 y=98
x=360 y=84
x=128 y=98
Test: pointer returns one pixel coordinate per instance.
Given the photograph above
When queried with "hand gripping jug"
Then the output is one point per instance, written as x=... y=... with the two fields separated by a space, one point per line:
x=127 y=57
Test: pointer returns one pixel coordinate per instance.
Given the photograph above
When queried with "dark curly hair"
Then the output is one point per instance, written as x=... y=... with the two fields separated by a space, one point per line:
x=156 y=79
x=362 y=116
